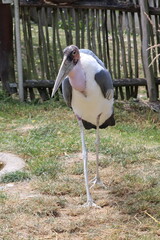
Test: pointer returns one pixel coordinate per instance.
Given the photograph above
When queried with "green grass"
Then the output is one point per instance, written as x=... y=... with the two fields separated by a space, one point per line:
x=15 y=177
x=3 y=197
x=46 y=135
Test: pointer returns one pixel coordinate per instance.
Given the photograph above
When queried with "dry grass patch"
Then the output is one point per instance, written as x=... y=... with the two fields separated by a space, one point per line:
x=29 y=213
x=49 y=205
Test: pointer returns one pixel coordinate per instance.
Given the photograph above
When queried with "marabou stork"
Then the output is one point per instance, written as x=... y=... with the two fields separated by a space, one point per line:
x=88 y=89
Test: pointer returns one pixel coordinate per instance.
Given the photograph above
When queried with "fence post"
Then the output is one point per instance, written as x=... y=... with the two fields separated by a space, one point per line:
x=146 y=55
x=18 y=48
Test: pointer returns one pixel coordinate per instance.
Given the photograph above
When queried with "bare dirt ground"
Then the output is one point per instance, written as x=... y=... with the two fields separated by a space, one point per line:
x=30 y=213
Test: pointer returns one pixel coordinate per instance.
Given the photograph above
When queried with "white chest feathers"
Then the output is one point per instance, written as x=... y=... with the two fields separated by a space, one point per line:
x=77 y=77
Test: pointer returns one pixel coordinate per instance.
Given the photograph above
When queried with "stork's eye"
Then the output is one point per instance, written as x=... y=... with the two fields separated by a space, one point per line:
x=74 y=52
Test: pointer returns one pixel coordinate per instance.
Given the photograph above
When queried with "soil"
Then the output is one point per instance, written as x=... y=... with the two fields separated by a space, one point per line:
x=30 y=214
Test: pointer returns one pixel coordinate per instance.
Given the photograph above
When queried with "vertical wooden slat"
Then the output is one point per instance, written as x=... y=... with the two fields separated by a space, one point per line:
x=31 y=94
x=77 y=27
x=88 y=29
x=48 y=44
x=56 y=12
x=44 y=46
x=104 y=38
x=129 y=54
x=113 y=46
x=123 y=49
x=83 y=26
x=107 y=44
x=157 y=26
x=117 y=51
x=152 y=32
x=146 y=60
x=135 y=49
x=40 y=48
x=65 y=27
x=26 y=43
x=31 y=51
x=54 y=26
x=93 y=31
x=70 y=24
x=118 y=65
x=98 y=27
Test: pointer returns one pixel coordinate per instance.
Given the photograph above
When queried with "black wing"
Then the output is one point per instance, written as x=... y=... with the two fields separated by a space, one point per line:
x=67 y=91
x=104 y=80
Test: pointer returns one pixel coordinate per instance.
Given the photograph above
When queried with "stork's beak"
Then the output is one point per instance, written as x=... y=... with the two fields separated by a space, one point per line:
x=65 y=68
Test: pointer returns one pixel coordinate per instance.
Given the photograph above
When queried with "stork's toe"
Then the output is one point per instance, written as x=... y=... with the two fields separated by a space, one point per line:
x=97 y=181
x=91 y=204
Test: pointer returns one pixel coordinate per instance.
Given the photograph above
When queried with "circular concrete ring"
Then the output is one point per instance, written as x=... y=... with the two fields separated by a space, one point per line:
x=11 y=163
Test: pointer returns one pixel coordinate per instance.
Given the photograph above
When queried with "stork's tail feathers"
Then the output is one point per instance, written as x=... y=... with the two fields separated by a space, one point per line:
x=109 y=122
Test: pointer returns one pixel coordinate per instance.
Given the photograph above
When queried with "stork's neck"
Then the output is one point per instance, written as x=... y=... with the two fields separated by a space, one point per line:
x=77 y=77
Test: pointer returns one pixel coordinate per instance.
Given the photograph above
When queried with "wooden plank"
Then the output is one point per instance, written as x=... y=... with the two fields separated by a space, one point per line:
x=132 y=82
x=54 y=27
x=30 y=45
x=88 y=30
x=117 y=63
x=123 y=49
x=26 y=43
x=83 y=27
x=44 y=45
x=118 y=85
x=116 y=82
x=67 y=35
x=129 y=55
x=70 y=23
x=40 y=47
x=99 y=31
x=48 y=47
x=57 y=32
x=113 y=45
x=157 y=24
x=146 y=54
x=128 y=7
x=77 y=21
x=104 y=38
x=93 y=31
x=135 y=48
x=107 y=43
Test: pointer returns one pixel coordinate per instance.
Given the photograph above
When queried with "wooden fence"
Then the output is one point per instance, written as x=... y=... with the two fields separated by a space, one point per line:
x=112 y=31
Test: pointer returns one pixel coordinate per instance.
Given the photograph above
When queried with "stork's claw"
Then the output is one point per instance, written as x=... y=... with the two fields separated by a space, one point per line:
x=90 y=204
x=97 y=181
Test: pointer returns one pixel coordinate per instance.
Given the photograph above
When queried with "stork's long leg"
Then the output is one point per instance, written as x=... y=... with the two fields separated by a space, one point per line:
x=90 y=202
x=97 y=149
x=97 y=179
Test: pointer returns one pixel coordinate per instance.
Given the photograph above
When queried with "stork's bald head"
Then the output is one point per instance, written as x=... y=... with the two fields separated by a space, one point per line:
x=72 y=53
x=70 y=59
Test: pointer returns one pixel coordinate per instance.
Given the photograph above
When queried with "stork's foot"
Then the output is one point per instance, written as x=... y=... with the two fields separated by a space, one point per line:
x=97 y=181
x=90 y=204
